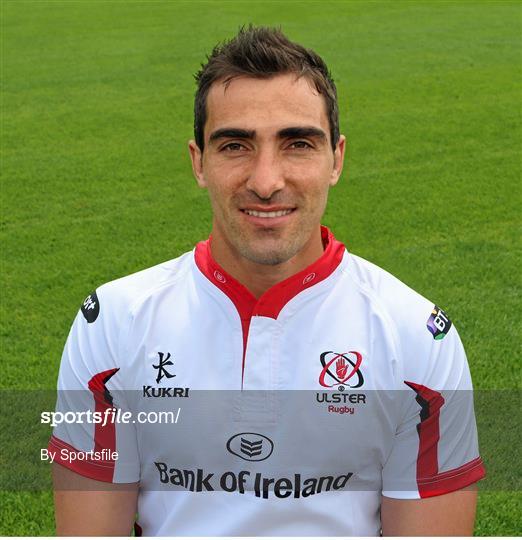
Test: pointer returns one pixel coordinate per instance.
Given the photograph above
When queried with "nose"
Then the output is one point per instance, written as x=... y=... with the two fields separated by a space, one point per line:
x=266 y=175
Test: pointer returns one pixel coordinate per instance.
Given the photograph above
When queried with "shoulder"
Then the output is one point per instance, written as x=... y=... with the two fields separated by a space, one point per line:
x=97 y=338
x=117 y=298
x=401 y=303
x=421 y=330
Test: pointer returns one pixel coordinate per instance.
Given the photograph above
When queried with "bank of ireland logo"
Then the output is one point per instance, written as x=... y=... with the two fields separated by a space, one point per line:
x=438 y=323
x=341 y=369
x=250 y=446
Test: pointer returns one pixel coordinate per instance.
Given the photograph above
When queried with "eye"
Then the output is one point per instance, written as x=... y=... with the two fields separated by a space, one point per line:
x=232 y=147
x=300 y=145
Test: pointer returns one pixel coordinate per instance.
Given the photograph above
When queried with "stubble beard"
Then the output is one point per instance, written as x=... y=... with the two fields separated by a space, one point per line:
x=267 y=247
x=271 y=256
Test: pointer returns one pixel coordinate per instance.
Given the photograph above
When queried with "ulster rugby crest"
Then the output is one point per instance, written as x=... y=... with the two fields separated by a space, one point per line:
x=341 y=369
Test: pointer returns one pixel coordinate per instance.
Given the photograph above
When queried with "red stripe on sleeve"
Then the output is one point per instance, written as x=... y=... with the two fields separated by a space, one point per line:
x=91 y=468
x=428 y=429
x=104 y=435
x=429 y=481
x=452 y=480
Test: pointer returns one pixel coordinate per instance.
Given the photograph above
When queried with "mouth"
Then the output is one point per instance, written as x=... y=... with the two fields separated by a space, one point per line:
x=267 y=214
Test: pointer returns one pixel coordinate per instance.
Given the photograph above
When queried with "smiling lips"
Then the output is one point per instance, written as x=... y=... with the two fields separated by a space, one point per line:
x=278 y=213
x=267 y=214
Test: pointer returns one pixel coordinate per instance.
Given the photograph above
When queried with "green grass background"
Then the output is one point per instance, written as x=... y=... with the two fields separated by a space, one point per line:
x=96 y=183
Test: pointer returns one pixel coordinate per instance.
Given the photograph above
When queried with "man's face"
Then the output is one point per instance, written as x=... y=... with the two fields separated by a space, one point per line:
x=267 y=164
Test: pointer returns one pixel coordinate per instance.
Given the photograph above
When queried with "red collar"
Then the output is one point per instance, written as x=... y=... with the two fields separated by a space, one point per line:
x=274 y=299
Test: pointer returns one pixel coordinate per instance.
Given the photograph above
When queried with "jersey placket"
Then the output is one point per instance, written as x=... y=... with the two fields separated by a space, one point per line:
x=261 y=349
x=265 y=310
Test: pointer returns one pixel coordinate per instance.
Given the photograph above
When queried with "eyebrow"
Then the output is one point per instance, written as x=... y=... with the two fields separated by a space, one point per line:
x=296 y=132
x=231 y=133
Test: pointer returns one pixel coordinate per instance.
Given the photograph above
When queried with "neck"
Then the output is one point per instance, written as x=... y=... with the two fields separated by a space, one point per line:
x=258 y=278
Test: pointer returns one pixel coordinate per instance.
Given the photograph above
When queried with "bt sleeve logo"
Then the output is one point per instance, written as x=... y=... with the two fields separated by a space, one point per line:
x=438 y=323
x=91 y=308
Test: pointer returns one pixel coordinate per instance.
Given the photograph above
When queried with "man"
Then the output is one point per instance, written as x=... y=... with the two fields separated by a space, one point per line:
x=347 y=404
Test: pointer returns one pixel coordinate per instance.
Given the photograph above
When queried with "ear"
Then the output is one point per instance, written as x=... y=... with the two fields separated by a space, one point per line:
x=338 y=160
x=196 y=157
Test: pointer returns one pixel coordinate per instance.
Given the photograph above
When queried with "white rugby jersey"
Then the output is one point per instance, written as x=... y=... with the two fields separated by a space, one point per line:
x=294 y=412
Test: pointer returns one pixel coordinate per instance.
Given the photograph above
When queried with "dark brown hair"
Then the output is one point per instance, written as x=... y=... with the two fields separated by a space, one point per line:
x=263 y=53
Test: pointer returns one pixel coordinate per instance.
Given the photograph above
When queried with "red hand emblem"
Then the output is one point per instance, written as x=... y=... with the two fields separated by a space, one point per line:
x=341 y=368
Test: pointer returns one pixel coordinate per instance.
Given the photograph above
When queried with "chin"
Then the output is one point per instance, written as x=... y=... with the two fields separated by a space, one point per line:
x=268 y=259
x=270 y=256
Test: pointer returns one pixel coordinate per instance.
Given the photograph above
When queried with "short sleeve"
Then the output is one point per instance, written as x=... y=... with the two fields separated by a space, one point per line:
x=90 y=437
x=435 y=450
